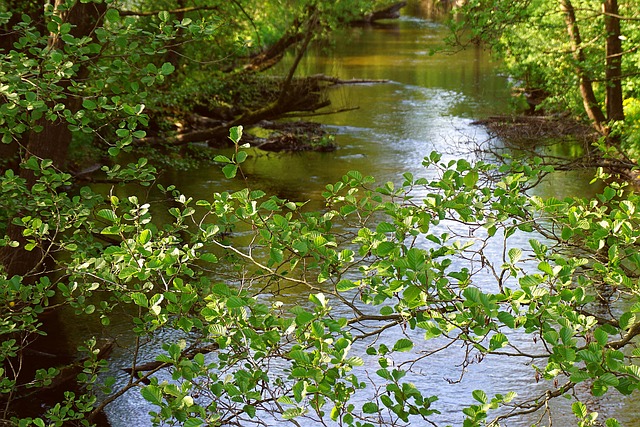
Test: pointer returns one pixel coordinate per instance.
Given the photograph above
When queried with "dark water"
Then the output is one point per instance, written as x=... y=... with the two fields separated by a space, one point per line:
x=428 y=104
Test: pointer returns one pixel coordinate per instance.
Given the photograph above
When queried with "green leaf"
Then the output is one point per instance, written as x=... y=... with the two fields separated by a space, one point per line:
x=230 y=171
x=580 y=376
x=221 y=159
x=152 y=394
x=567 y=233
x=144 y=237
x=140 y=299
x=497 y=341
x=507 y=319
x=235 y=302
x=579 y=410
x=276 y=255
x=270 y=205
x=566 y=335
x=193 y=422
x=335 y=413
x=514 y=255
x=318 y=299
x=609 y=379
x=164 y=16
x=167 y=68
x=385 y=248
x=345 y=285
x=304 y=317
x=354 y=361
x=385 y=227
x=480 y=396
x=403 y=345
x=291 y=413
x=411 y=293
x=545 y=267
x=209 y=257
x=601 y=336
x=370 y=408
x=471 y=178
x=415 y=259
x=235 y=134
x=612 y=422
x=241 y=157
x=599 y=388
x=89 y=104
x=112 y=15
x=108 y=214
x=609 y=193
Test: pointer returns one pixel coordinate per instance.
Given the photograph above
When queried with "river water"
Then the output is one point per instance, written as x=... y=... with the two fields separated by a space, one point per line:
x=428 y=104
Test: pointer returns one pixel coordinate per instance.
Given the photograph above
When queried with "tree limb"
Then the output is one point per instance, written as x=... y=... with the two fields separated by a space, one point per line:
x=172 y=11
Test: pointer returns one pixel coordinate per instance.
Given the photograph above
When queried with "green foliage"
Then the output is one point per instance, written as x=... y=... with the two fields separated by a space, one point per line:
x=630 y=129
x=532 y=40
x=371 y=245
x=271 y=305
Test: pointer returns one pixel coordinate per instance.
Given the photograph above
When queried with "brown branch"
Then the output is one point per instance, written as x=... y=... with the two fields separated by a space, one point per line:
x=173 y=11
x=313 y=22
x=143 y=379
x=633 y=332
x=613 y=15
x=269 y=57
x=187 y=354
x=541 y=401
x=377 y=331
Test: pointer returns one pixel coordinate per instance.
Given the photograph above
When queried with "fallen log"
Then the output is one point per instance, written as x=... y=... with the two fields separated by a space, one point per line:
x=338 y=81
x=390 y=12
x=303 y=99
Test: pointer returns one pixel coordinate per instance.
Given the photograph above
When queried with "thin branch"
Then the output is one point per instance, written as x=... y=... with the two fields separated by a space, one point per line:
x=173 y=11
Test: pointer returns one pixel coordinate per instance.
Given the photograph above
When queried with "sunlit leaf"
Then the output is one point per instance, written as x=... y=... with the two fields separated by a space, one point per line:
x=403 y=345
x=480 y=396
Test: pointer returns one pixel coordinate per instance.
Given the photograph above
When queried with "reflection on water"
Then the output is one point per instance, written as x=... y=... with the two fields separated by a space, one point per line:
x=428 y=104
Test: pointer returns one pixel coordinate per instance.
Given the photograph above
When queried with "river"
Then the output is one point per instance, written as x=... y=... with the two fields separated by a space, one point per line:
x=428 y=104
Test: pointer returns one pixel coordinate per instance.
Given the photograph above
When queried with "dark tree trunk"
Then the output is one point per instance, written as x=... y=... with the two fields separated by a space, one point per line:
x=589 y=99
x=613 y=71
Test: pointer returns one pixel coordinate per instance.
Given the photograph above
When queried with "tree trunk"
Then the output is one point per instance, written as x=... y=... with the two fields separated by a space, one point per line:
x=586 y=84
x=613 y=71
x=271 y=56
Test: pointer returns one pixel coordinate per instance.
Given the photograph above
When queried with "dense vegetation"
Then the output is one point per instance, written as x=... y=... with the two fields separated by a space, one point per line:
x=567 y=56
x=464 y=256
